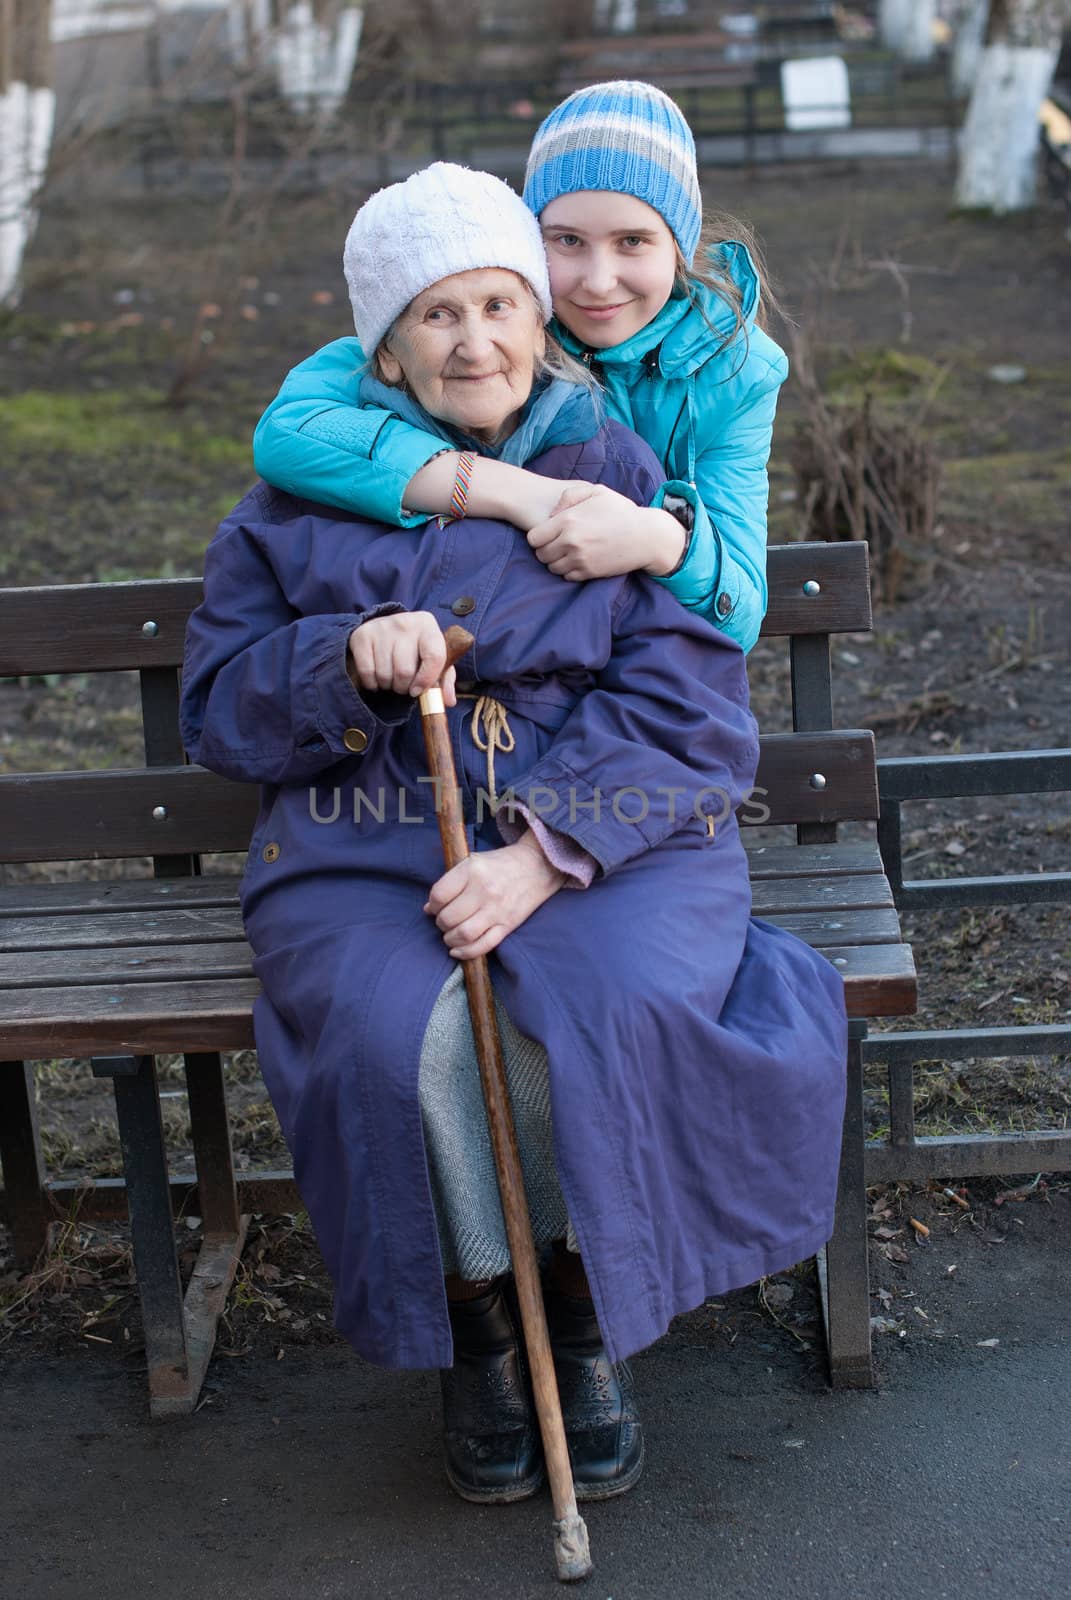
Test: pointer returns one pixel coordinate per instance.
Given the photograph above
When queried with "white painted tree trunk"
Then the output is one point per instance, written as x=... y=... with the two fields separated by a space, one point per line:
x=624 y=16
x=27 y=118
x=999 y=145
x=248 y=31
x=968 y=45
x=315 y=60
x=907 y=27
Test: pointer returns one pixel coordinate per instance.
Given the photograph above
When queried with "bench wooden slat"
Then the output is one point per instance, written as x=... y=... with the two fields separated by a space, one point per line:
x=202 y=910
x=787 y=762
x=131 y=1018
x=806 y=860
x=773 y=896
x=69 y=816
x=842 y=604
x=206 y=1014
x=93 y=627
x=122 y=929
x=879 y=925
x=879 y=979
x=95 y=961
x=53 y=969
x=119 y=894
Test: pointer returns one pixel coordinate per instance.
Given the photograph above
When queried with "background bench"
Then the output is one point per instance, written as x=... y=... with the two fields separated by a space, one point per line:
x=130 y=968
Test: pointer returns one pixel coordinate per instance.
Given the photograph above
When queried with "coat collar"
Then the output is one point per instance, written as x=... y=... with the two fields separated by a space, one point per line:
x=556 y=413
x=681 y=332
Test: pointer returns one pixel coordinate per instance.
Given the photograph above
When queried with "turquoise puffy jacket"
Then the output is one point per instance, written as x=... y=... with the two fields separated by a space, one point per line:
x=707 y=412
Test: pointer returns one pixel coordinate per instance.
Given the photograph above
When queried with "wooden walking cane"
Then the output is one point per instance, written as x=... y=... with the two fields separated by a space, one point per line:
x=570 y=1534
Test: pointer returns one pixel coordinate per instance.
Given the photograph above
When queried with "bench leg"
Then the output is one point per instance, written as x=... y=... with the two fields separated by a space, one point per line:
x=28 y=1211
x=217 y=1198
x=843 y=1267
x=179 y=1332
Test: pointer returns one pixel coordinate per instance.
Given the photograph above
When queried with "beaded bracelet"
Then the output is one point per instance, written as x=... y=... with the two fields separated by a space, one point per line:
x=459 y=499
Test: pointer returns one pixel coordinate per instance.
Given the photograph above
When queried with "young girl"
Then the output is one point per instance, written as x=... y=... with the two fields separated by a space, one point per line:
x=677 y=348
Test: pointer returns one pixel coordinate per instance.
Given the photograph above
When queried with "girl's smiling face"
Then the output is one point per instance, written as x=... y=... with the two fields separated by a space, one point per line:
x=612 y=264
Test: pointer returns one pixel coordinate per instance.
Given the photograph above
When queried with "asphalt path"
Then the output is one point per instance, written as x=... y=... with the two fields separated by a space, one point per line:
x=316 y=1477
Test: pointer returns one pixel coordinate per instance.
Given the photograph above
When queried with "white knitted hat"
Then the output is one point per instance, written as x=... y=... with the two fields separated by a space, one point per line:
x=442 y=220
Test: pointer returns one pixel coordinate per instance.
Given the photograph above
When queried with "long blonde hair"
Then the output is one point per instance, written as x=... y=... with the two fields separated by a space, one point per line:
x=708 y=269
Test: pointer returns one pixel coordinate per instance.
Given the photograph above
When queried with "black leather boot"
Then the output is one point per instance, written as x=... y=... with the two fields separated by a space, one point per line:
x=602 y=1424
x=493 y=1449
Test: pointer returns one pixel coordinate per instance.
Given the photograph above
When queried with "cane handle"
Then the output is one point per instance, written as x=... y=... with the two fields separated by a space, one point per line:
x=458 y=640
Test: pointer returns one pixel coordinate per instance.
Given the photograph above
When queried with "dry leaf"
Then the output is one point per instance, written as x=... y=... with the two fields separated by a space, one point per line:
x=887 y=1233
x=778 y=1294
x=955 y=848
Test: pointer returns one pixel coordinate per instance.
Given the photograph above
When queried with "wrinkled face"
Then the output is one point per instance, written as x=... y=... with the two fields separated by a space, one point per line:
x=468 y=349
x=612 y=262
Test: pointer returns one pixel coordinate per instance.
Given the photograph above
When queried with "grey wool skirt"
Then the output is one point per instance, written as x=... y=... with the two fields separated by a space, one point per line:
x=472 y=1234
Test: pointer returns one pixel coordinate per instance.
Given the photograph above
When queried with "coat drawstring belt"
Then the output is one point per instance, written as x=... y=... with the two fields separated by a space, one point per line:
x=691 y=429
x=490 y=731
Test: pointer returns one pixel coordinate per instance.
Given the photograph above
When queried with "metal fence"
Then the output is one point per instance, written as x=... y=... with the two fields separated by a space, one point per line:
x=903 y=1155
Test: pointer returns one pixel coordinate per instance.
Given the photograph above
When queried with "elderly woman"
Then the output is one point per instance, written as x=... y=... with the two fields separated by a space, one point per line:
x=676 y=1067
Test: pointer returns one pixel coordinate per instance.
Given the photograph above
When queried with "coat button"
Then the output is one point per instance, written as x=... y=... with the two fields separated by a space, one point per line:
x=271 y=852
x=463 y=605
x=724 y=604
x=355 y=739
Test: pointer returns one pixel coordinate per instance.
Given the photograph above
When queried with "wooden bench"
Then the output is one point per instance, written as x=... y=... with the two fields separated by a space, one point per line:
x=123 y=970
x=674 y=61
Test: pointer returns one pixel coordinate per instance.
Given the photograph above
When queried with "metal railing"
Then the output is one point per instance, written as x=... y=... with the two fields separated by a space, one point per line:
x=903 y=1155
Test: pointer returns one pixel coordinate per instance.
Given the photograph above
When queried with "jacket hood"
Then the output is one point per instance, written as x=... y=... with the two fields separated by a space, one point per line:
x=681 y=331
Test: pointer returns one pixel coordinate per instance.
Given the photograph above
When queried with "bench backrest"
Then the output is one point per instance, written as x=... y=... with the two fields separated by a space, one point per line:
x=814 y=778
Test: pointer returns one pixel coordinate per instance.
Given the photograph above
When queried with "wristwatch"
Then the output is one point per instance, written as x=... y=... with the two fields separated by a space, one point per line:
x=681 y=511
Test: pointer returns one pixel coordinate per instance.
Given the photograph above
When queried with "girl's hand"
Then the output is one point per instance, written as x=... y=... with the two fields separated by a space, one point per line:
x=478 y=902
x=405 y=653
x=597 y=533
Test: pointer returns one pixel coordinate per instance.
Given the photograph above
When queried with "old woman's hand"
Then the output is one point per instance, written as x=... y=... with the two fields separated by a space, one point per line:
x=404 y=653
x=478 y=902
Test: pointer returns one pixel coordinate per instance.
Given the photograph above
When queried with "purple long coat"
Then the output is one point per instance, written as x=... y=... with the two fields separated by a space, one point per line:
x=696 y=1055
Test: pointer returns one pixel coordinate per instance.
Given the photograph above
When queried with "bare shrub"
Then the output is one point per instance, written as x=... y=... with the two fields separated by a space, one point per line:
x=861 y=476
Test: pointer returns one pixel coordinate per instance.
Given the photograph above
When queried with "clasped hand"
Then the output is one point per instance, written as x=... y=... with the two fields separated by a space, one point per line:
x=594 y=532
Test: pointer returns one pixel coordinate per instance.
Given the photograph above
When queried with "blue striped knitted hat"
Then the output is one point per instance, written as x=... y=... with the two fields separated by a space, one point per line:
x=626 y=137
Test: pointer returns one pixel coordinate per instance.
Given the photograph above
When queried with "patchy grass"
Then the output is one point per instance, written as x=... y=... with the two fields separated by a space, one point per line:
x=113 y=424
x=1034 y=486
